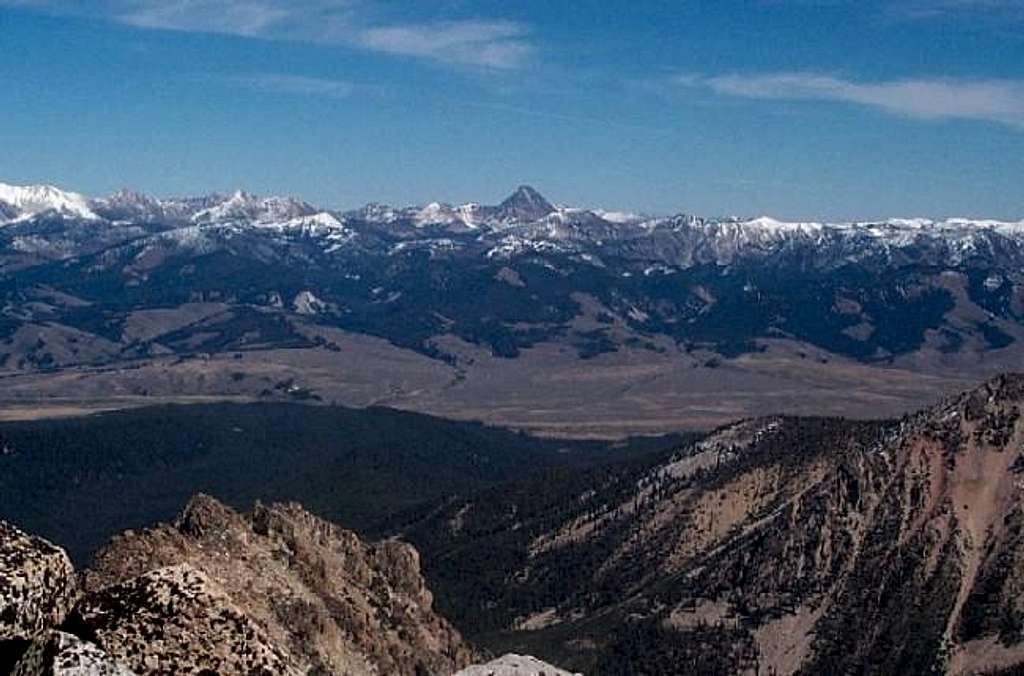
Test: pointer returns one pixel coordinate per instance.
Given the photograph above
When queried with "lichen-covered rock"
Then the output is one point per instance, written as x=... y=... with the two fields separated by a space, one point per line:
x=37 y=585
x=175 y=620
x=514 y=665
x=61 y=654
x=330 y=601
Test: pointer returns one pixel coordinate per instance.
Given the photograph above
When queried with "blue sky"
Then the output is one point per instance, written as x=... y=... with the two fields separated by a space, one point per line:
x=798 y=109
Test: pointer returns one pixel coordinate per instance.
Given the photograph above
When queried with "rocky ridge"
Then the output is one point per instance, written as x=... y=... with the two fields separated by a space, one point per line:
x=775 y=545
x=276 y=591
x=329 y=600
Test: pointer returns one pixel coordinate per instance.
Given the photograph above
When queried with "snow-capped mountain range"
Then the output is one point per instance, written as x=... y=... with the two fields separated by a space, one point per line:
x=523 y=222
x=511 y=275
x=524 y=207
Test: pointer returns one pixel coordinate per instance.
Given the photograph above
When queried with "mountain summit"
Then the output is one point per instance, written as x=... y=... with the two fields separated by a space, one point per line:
x=525 y=205
x=26 y=201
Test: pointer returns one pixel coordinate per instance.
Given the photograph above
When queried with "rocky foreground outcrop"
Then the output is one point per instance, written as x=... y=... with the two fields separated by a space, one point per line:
x=38 y=587
x=37 y=583
x=325 y=599
x=276 y=591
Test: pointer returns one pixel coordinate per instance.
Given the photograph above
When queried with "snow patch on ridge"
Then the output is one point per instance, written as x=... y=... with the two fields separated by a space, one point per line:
x=769 y=224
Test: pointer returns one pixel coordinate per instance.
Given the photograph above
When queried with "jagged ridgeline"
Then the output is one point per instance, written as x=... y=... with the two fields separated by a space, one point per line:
x=773 y=546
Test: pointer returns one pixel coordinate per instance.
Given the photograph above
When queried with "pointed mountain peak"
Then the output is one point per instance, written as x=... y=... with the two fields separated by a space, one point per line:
x=525 y=204
x=527 y=195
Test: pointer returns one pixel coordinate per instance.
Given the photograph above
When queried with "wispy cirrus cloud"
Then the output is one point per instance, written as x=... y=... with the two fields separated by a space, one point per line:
x=496 y=44
x=283 y=83
x=483 y=43
x=232 y=17
x=999 y=101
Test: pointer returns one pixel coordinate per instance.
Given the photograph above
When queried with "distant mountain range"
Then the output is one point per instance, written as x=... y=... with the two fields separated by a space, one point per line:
x=89 y=282
x=526 y=222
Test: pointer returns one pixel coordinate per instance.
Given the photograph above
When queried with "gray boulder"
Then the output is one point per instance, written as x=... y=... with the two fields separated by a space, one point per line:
x=60 y=654
x=38 y=586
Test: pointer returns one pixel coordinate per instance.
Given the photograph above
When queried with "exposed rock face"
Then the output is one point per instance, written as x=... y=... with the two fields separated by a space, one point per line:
x=524 y=205
x=281 y=577
x=514 y=665
x=61 y=654
x=37 y=589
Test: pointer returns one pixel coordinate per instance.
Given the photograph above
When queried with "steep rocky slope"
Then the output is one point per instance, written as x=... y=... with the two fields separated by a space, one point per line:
x=777 y=545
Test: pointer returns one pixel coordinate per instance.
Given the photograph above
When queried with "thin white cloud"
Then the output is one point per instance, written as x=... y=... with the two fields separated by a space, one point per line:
x=210 y=16
x=929 y=99
x=282 y=83
x=490 y=44
x=496 y=44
